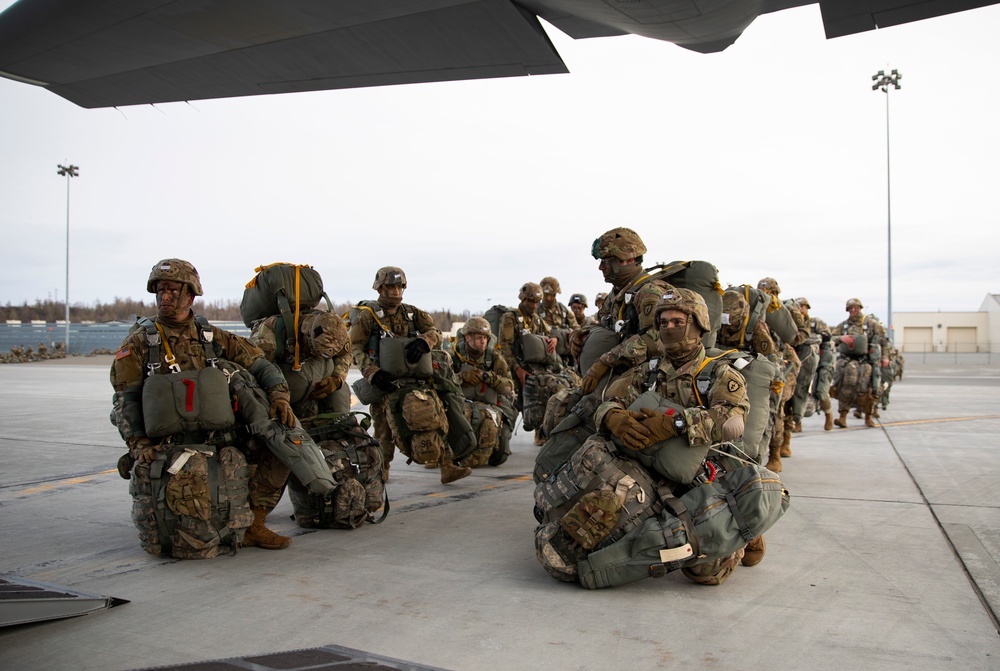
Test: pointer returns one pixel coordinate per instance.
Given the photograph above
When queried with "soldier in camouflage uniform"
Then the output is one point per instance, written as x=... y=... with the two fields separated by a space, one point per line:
x=485 y=378
x=808 y=353
x=317 y=385
x=819 y=390
x=578 y=304
x=176 y=284
x=682 y=319
x=599 y=299
x=789 y=365
x=554 y=313
x=514 y=324
x=390 y=317
x=857 y=377
x=628 y=308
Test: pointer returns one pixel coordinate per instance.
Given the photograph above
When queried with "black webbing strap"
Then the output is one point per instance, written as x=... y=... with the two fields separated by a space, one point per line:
x=741 y=521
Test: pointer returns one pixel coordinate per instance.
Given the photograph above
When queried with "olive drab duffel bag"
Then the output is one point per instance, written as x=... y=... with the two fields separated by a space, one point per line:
x=538 y=387
x=709 y=522
x=355 y=461
x=191 y=501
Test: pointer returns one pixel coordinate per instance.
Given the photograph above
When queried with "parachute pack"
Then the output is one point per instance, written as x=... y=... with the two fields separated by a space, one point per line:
x=191 y=502
x=355 y=461
x=284 y=289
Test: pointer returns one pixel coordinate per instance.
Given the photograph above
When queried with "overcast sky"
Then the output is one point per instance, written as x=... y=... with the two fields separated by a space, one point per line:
x=768 y=159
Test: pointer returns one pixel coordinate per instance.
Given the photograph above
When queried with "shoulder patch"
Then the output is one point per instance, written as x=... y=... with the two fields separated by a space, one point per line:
x=122 y=353
x=733 y=386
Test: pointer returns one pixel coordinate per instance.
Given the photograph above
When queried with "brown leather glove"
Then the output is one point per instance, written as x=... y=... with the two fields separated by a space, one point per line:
x=146 y=455
x=625 y=425
x=282 y=411
x=471 y=377
x=593 y=376
x=326 y=386
x=660 y=425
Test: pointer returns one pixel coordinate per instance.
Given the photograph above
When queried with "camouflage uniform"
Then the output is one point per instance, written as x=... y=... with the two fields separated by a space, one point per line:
x=324 y=361
x=374 y=322
x=857 y=377
x=182 y=340
x=494 y=374
x=707 y=418
x=554 y=313
x=808 y=353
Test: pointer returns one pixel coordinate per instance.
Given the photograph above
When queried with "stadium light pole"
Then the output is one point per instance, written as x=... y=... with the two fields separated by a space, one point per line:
x=886 y=82
x=67 y=171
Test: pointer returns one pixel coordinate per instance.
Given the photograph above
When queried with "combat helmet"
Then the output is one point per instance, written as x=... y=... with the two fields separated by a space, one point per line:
x=176 y=270
x=734 y=305
x=389 y=275
x=550 y=285
x=600 y=298
x=530 y=290
x=621 y=243
x=854 y=302
x=578 y=298
x=688 y=302
x=803 y=302
x=477 y=326
x=769 y=285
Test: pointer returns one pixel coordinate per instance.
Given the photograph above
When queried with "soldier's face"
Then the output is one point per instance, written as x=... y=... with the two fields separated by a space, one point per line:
x=476 y=342
x=173 y=299
x=577 y=310
x=529 y=305
x=853 y=311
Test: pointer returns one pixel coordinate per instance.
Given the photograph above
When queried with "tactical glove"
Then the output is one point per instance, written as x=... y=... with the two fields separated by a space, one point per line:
x=625 y=425
x=472 y=377
x=593 y=376
x=661 y=426
x=416 y=349
x=382 y=381
x=327 y=386
x=282 y=411
x=147 y=454
x=847 y=340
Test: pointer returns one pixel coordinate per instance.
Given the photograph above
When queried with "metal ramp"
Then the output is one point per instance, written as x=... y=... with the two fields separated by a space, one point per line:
x=23 y=601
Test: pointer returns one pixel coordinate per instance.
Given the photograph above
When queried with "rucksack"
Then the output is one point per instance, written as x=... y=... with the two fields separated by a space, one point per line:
x=192 y=501
x=284 y=289
x=493 y=316
x=355 y=460
x=776 y=315
x=709 y=522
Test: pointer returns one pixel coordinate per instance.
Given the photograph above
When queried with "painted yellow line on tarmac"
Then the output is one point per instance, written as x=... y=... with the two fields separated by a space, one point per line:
x=940 y=419
x=48 y=486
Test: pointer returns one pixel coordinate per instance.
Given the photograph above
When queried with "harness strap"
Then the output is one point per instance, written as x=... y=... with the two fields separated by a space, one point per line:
x=708 y=374
x=741 y=521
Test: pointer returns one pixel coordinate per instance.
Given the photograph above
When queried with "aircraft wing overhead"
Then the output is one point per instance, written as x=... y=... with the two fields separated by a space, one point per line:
x=104 y=53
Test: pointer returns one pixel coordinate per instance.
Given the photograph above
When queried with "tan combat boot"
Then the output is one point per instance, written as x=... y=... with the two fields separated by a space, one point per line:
x=798 y=427
x=774 y=459
x=539 y=437
x=786 y=445
x=869 y=422
x=450 y=472
x=842 y=420
x=259 y=536
x=753 y=553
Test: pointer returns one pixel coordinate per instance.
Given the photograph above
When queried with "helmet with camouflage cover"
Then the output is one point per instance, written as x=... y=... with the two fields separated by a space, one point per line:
x=769 y=285
x=389 y=275
x=734 y=306
x=175 y=270
x=621 y=243
x=578 y=298
x=550 y=285
x=476 y=326
x=600 y=298
x=803 y=302
x=854 y=302
x=688 y=302
x=531 y=291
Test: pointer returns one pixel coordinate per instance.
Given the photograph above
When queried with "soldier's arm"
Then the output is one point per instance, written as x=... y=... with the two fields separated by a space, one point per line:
x=505 y=337
x=239 y=350
x=127 y=374
x=426 y=329
x=264 y=337
x=727 y=405
x=501 y=380
x=360 y=334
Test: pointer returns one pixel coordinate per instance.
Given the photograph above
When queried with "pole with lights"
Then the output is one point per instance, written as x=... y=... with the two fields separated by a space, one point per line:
x=886 y=82
x=67 y=171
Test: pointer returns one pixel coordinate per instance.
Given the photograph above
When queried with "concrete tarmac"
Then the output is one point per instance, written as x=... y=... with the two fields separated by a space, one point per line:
x=886 y=559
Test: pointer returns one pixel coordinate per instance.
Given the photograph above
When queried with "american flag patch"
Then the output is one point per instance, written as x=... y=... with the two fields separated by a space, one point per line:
x=122 y=353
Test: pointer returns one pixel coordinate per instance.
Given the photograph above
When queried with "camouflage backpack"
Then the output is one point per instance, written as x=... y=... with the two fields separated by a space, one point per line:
x=355 y=461
x=191 y=502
